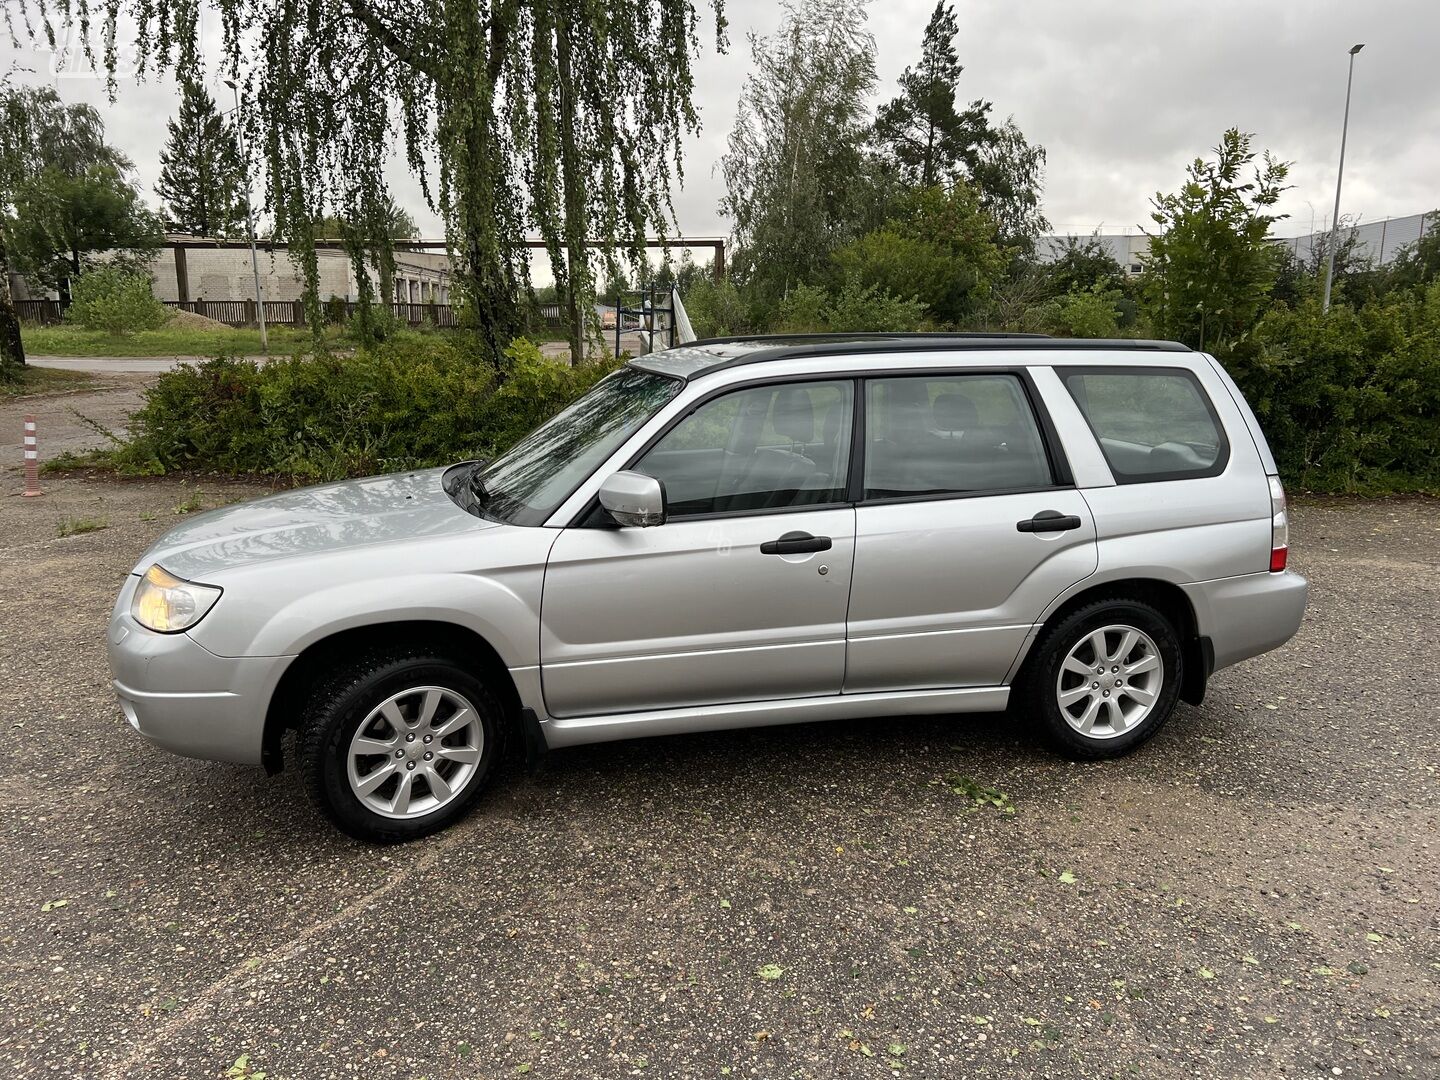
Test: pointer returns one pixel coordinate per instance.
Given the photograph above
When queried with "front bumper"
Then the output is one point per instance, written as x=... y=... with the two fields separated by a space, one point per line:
x=1248 y=615
x=182 y=697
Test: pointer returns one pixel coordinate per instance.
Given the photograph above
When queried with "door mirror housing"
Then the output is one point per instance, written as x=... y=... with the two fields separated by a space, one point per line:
x=634 y=499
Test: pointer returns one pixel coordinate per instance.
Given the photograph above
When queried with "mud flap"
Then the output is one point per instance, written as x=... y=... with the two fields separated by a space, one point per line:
x=535 y=746
x=1199 y=664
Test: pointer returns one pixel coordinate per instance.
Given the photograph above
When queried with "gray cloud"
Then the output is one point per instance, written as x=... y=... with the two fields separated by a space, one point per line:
x=1121 y=94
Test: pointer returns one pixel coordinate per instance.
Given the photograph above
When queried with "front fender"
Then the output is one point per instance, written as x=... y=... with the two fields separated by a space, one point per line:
x=263 y=614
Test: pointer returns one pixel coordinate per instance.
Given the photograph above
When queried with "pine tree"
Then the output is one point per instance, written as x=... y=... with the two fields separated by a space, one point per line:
x=930 y=139
x=201 y=175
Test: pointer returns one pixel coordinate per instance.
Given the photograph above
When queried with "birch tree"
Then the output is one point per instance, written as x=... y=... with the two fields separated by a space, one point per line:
x=561 y=117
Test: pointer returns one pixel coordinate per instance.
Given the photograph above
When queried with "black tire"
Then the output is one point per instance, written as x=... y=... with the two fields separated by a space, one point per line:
x=1040 y=681
x=341 y=702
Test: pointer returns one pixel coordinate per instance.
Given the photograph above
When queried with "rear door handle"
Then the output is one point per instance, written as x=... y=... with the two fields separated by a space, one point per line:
x=795 y=543
x=1049 y=521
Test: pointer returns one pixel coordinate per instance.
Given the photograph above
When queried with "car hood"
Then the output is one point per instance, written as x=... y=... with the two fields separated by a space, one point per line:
x=311 y=521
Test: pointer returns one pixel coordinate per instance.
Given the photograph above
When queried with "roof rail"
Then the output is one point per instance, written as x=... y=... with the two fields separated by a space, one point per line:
x=766 y=349
x=906 y=335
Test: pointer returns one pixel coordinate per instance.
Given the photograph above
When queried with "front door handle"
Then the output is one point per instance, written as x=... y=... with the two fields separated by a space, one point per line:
x=795 y=543
x=1049 y=521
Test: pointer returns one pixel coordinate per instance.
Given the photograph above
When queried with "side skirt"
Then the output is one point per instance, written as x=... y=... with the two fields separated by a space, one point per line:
x=578 y=730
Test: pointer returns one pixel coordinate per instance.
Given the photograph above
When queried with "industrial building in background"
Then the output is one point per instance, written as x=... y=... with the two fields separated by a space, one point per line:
x=1378 y=242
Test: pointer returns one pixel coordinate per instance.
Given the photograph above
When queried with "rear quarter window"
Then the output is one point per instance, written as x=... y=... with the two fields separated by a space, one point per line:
x=1152 y=424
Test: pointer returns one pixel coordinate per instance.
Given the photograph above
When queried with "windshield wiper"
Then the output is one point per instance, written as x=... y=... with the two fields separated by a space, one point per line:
x=476 y=484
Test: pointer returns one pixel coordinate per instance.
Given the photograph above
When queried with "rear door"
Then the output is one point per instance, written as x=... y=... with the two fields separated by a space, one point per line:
x=967 y=527
x=741 y=594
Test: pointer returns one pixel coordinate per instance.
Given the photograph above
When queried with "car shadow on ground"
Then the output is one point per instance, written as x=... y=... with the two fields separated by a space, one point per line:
x=855 y=761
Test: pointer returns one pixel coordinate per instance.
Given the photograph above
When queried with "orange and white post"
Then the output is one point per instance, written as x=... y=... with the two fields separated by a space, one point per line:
x=32 y=459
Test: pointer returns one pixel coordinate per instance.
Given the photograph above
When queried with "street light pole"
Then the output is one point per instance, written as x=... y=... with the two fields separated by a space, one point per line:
x=250 y=222
x=1339 y=178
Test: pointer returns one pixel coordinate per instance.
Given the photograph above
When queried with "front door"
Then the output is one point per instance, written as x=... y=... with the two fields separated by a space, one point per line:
x=963 y=536
x=741 y=595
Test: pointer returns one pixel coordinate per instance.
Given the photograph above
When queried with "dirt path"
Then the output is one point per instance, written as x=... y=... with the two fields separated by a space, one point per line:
x=61 y=419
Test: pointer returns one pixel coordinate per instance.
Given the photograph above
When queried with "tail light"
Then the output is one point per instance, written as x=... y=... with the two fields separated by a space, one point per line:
x=1279 y=527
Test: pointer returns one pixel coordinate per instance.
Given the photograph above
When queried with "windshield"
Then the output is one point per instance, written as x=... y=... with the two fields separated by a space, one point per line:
x=525 y=485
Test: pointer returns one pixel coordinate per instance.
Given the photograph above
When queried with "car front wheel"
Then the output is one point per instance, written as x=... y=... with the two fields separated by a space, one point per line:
x=1105 y=678
x=399 y=744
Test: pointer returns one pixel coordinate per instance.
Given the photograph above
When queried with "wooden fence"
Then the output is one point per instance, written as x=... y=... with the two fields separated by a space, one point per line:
x=277 y=312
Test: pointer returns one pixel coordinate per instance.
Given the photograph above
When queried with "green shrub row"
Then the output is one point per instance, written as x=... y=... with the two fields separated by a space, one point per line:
x=397 y=405
x=1349 y=400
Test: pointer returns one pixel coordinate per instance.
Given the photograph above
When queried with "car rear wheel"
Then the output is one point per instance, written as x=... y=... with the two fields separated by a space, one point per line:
x=399 y=744
x=1105 y=678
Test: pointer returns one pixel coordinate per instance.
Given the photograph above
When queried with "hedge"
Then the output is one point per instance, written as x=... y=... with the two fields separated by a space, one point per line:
x=320 y=417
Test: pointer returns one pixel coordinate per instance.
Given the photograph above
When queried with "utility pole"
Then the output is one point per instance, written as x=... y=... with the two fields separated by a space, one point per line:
x=1339 y=177
x=250 y=222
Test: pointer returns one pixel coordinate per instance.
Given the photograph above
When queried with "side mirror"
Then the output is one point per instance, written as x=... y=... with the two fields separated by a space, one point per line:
x=634 y=499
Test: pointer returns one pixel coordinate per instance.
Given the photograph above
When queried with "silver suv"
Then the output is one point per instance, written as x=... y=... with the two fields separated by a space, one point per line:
x=727 y=534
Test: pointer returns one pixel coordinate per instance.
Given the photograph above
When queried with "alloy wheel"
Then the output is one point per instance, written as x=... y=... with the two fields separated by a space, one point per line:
x=415 y=752
x=1110 y=681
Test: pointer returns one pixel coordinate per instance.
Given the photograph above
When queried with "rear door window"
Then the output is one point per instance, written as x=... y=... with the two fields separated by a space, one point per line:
x=941 y=435
x=1154 y=424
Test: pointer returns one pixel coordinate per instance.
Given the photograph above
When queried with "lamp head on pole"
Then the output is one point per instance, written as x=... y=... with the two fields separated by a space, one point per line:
x=1356 y=48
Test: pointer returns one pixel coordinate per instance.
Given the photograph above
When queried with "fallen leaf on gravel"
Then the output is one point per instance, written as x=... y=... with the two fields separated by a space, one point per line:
x=1248 y=960
x=1067 y=878
x=1355 y=967
x=725 y=904
x=1272 y=1019
x=51 y=905
x=1374 y=937
x=897 y=1049
x=770 y=972
x=1206 y=973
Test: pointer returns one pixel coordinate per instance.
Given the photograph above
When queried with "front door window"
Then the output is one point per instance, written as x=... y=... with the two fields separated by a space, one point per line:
x=763 y=448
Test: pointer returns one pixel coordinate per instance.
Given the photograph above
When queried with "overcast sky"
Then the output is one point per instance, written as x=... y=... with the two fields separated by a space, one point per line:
x=1121 y=93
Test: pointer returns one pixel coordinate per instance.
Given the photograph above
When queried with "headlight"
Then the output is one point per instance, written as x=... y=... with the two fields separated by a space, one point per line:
x=167 y=605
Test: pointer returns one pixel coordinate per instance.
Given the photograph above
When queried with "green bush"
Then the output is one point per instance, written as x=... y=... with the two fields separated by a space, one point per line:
x=1087 y=313
x=938 y=247
x=803 y=310
x=403 y=404
x=855 y=308
x=116 y=302
x=373 y=323
x=716 y=308
x=1350 y=400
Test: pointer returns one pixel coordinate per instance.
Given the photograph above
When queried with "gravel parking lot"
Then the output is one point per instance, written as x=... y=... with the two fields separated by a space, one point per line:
x=1255 y=893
